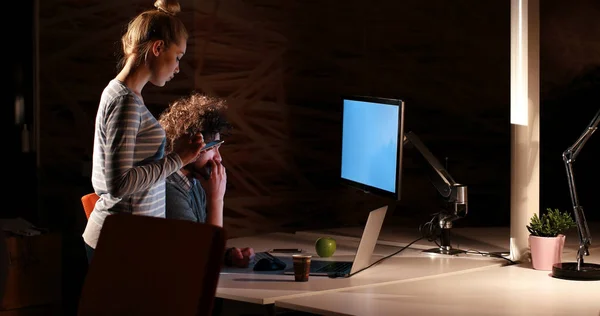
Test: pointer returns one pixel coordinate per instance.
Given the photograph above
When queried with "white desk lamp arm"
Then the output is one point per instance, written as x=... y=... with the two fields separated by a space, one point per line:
x=569 y=156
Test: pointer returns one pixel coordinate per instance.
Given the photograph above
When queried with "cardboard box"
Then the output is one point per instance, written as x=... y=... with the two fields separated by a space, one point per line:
x=33 y=272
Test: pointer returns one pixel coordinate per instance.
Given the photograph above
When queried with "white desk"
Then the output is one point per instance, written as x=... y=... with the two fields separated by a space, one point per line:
x=509 y=290
x=414 y=282
x=267 y=288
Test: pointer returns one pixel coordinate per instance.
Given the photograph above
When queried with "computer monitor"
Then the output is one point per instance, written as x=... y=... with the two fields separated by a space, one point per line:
x=372 y=142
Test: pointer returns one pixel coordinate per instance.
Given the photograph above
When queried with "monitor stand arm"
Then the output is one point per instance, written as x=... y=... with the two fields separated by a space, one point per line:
x=455 y=195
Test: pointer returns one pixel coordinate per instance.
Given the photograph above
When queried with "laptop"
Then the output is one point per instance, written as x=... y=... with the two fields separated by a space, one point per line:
x=362 y=258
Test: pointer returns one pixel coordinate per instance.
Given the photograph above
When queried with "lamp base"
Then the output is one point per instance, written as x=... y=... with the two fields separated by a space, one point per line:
x=569 y=271
x=445 y=251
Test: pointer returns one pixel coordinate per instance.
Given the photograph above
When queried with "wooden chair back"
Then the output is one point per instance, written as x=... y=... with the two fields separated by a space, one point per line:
x=153 y=266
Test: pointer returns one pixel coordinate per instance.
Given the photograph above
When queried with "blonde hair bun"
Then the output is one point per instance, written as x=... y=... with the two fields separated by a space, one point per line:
x=171 y=7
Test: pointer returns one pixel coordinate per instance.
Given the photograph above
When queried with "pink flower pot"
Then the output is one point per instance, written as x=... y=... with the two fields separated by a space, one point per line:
x=546 y=251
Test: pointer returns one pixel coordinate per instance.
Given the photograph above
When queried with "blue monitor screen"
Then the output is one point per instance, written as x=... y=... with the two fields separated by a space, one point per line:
x=372 y=139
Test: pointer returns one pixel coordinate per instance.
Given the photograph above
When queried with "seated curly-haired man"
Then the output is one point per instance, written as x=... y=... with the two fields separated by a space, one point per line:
x=196 y=192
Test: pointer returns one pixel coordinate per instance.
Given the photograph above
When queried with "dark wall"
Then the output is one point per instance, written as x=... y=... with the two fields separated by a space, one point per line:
x=20 y=156
x=286 y=64
x=566 y=115
x=448 y=60
x=570 y=84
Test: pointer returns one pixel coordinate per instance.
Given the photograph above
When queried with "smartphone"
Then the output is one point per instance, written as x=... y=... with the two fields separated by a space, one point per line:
x=208 y=167
x=208 y=171
x=286 y=250
x=212 y=144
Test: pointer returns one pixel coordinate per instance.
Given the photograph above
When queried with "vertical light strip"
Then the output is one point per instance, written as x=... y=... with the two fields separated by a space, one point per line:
x=519 y=56
x=525 y=136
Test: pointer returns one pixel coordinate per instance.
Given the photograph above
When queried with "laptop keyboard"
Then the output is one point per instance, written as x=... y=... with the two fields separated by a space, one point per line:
x=264 y=254
x=335 y=267
x=261 y=255
x=326 y=266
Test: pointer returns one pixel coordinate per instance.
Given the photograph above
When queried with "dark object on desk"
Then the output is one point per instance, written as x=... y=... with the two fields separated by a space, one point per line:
x=286 y=250
x=269 y=264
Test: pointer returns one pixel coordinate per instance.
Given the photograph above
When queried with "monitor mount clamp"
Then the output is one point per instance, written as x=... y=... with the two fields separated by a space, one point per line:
x=454 y=194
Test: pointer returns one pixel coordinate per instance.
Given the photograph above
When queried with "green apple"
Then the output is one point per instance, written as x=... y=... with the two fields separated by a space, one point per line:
x=325 y=246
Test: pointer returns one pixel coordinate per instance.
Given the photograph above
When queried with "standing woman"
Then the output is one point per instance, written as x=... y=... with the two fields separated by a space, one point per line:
x=129 y=164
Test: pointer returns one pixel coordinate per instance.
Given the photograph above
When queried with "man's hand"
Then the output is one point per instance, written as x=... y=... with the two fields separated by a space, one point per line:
x=216 y=185
x=241 y=257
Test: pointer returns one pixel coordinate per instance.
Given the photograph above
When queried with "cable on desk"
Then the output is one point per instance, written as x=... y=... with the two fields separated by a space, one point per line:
x=490 y=254
x=431 y=230
x=335 y=275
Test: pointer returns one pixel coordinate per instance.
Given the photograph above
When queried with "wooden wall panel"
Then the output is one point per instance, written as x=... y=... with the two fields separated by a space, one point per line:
x=283 y=66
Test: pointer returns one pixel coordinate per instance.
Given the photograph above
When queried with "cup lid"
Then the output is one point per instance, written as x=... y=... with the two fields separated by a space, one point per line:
x=301 y=256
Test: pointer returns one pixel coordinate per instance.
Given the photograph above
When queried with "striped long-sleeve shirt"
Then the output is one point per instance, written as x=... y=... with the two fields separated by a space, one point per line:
x=129 y=166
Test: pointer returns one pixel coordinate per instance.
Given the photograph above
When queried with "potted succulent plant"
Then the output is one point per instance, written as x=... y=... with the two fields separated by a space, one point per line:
x=547 y=239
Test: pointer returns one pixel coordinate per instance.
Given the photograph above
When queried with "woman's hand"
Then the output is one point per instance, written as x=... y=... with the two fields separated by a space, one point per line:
x=188 y=147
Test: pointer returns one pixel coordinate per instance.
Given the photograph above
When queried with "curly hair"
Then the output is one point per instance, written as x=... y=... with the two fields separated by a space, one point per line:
x=196 y=113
